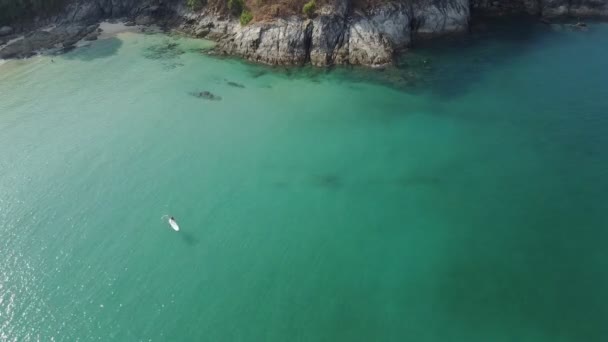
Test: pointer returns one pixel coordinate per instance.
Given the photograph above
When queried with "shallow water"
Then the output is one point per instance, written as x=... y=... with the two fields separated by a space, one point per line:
x=314 y=205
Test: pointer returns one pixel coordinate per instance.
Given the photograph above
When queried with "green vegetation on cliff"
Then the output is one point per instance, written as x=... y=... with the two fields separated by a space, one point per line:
x=246 y=17
x=195 y=4
x=238 y=8
x=309 y=8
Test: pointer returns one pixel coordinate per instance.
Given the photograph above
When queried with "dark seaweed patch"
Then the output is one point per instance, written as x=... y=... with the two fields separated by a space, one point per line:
x=328 y=181
x=234 y=84
x=205 y=95
x=166 y=52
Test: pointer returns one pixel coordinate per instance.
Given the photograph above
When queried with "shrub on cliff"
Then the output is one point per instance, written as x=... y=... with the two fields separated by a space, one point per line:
x=246 y=17
x=194 y=4
x=309 y=8
x=236 y=7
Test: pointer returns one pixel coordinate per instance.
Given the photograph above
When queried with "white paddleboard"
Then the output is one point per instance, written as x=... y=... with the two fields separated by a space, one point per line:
x=174 y=225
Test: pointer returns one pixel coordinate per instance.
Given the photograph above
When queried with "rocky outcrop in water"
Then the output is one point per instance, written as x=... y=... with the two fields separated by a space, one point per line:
x=206 y=95
x=338 y=37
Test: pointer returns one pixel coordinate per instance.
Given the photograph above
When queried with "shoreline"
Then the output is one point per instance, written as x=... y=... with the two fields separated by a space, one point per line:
x=334 y=36
x=105 y=29
x=112 y=29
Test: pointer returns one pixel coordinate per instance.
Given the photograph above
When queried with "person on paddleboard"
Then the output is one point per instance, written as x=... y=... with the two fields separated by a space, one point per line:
x=173 y=224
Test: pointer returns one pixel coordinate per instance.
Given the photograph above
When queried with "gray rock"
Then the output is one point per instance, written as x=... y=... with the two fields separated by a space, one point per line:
x=202 y=32
x=93 y=28
x=83 y=11
x=329 y=36
x=14 y=50
x=29 y=45
x=41 y=40
x=393 y=21
x=212 y=27
x=70 y=35
x=367 y=45
x=279 y=42
x=554 y=8
x=144 y=20
x=588 y=8
x=285 y=42
x=437 y=17
x=66 y=35
x=505 y=7
x=5 y=30
x=91 y=36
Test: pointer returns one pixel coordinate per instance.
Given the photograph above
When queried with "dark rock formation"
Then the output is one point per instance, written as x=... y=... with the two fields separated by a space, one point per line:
x=234 y=84
x=206 y=95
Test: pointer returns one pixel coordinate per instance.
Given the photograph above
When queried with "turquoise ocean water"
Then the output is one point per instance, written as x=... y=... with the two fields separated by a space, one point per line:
x=469 y=205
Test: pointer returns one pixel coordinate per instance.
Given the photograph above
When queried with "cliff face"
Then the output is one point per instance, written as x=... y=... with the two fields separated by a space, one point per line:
x=338 y=33
x=340 y=36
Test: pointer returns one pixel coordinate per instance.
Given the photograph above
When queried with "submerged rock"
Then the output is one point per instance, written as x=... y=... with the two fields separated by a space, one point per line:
x=234 y=84
x=206 y=95
x=165 y=50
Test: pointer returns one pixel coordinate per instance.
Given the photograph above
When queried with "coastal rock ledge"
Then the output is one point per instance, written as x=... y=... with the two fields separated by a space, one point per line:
x=339 y=32
x=338 y=36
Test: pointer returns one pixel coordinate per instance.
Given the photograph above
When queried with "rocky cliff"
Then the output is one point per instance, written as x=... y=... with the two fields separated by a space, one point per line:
x=339 y=33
